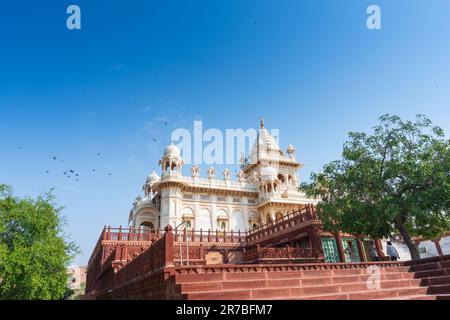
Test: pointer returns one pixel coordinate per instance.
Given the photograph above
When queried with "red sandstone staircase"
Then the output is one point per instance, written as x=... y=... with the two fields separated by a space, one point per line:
x=434 y=274
x=429 y=280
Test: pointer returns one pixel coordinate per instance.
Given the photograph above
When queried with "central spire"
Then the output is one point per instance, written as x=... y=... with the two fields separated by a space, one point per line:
x=262 y=123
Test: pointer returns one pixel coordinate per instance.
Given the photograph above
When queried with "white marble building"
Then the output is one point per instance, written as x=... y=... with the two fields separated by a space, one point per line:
x=264 y=189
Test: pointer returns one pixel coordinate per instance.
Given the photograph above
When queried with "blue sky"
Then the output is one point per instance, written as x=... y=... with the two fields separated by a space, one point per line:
x=311 y=68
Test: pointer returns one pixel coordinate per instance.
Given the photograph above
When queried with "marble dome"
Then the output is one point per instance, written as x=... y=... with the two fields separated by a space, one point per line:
x=153 y=177
x=172 y=150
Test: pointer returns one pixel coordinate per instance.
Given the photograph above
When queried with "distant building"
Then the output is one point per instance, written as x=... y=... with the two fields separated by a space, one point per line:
x=77 y=277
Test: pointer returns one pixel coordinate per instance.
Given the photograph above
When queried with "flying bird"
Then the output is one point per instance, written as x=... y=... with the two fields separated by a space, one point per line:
x=93 y=170
x=19 y=147
x=154 y=140
x=98 y=154
x=47 y=171
x=54 y=158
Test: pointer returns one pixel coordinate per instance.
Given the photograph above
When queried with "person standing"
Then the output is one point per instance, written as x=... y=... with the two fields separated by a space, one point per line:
x=350 y=250
x=392 y=252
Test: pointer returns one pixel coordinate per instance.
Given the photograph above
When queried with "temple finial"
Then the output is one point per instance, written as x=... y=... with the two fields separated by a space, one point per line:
x=262 y=123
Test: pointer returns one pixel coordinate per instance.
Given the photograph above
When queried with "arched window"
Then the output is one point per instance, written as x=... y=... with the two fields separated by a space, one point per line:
x=269 y=188
x=281 y=178
x=279 y=215
x=147 y=225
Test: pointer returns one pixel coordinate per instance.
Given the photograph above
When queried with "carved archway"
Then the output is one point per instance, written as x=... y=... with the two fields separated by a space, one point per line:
x=147 y=225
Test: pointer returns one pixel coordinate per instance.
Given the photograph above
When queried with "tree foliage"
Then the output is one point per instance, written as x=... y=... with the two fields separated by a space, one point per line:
x=34 y=254
x=396 y=180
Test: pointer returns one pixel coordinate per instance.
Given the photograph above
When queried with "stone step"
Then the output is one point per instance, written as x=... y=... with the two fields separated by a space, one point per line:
x=439 y=289
x=269 y=292
x=263 y=275
x=414 y=297
x=429 y=260
x=289 y=294
x=430 y=266
x=304 y=280
x=382 y=294
x=432 y=273
x=340 y=284
x=435 y=281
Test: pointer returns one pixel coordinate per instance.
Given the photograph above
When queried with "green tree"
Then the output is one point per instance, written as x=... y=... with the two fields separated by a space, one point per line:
x=34 y=254
x=396 y=180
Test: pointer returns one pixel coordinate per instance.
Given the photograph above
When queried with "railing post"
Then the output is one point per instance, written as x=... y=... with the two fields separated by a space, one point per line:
x=108 y=237
x=193 y=235
x=139 y=233
x=232 y=236
x=209 y=235
x=119 y=237
x=104 y=233
x=239 y=235
x=184 y=235
x=217 y=235
x=202 y=252
x=168 y=247
x=201 y=234
x=124 y=253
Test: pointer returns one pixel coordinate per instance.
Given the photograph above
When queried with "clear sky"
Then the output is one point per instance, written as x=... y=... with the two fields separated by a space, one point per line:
x=311 y=68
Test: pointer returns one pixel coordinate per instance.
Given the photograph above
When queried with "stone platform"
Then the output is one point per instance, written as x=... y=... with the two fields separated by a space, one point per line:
x=151 y=270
